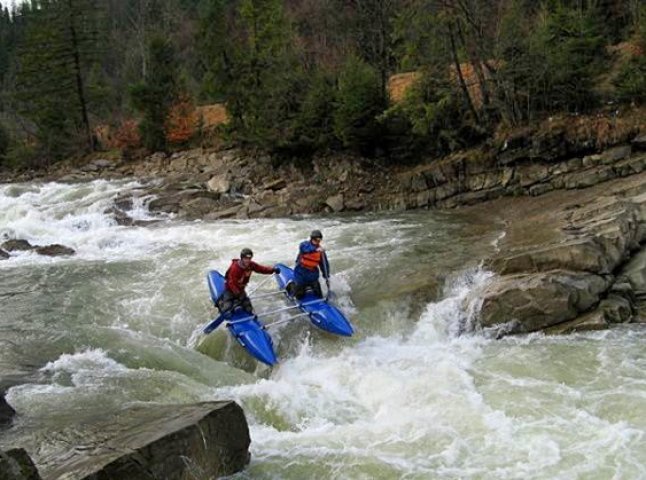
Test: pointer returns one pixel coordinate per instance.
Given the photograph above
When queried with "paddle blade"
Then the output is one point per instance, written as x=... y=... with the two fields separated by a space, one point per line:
x=213 y=324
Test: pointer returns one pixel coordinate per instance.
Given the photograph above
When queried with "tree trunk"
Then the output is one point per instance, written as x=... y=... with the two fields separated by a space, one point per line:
x=79 y=77
x=476 y=63
x=458 y=71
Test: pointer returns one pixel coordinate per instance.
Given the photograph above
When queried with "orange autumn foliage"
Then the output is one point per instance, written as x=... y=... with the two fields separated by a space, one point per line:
x=182 y=122
x=126 y=136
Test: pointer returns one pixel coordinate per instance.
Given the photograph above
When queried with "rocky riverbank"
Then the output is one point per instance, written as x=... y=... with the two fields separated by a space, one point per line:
x=204 y=184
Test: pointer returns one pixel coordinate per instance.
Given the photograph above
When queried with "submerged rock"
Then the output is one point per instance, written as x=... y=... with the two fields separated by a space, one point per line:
x=55 y=250
x=170 y=442
x=17 y=245
x=16 y=464
x=3 y=255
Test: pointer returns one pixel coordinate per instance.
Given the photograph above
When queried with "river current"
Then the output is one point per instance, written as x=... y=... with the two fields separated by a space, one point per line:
x=407 y=396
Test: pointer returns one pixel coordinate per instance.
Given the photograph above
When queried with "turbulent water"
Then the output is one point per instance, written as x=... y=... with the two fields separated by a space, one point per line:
x=406 y=397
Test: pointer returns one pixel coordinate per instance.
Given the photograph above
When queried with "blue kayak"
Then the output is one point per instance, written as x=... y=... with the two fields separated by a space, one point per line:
x=321 y=313
x=245 y=328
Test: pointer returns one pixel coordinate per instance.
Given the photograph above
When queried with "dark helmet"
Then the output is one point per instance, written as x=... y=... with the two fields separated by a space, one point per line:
x=316 y=234
x=246 y=252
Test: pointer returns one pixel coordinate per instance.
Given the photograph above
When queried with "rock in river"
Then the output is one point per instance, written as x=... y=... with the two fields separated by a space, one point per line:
x=173 y=442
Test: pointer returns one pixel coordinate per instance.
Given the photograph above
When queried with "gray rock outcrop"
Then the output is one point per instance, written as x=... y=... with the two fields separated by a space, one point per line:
x=565 y=262
x=173 y=442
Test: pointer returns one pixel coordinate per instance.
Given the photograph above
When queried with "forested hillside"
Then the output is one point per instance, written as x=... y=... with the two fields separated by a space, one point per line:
x=304 y=76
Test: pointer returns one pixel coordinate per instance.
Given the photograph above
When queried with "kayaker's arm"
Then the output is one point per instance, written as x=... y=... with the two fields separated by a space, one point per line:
x=262 y=268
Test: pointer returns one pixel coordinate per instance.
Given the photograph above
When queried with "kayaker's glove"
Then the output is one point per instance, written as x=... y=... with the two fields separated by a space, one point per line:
x=276 y=270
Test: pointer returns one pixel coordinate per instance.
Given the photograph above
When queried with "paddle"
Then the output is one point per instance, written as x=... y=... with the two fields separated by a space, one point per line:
x=330 y=294
x=213 y=324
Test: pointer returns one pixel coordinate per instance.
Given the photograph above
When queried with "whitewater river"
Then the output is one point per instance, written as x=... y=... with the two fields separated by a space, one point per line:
x=406 y=397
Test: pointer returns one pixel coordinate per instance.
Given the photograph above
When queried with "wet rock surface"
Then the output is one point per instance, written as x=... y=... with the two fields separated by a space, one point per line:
x=55 y=250
x=569 y=261
x=17 y=245
x=173 y=442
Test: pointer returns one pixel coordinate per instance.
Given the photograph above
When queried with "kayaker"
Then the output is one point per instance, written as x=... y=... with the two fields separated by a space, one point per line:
x=236 y=279
x=311 y=258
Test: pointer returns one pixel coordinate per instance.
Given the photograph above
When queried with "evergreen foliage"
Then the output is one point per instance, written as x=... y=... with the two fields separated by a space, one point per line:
x=358 y=102
x=631 y=81
x=156 y=94
x=56 y=50
x=303 y=76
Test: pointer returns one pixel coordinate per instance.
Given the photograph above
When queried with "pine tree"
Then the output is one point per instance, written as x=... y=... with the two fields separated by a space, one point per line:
x=373 y=30
x=59 y=46
x=155 y=96
x=359 y=101
x=255 y=69
x=567 y=46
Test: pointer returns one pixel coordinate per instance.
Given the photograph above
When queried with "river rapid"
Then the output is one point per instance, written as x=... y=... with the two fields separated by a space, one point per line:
x=117 y=325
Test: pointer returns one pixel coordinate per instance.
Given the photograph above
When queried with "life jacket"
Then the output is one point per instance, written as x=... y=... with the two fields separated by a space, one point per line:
x=310 y=261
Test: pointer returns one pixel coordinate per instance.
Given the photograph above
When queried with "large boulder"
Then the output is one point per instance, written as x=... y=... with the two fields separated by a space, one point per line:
x=219 y=184
x=531 y=302
x=198 y=207
x=335 y=202
x=16 y=464
x=3 y=255
x=173 y=442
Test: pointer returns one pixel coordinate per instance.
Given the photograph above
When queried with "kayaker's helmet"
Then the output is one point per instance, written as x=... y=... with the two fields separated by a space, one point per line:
x=316 y=234
x=246 y=253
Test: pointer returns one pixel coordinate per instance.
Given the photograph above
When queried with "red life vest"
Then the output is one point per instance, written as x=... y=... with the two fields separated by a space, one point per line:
x=310 y=261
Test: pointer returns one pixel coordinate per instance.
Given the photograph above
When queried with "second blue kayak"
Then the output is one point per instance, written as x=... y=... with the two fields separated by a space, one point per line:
x=321 y=313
